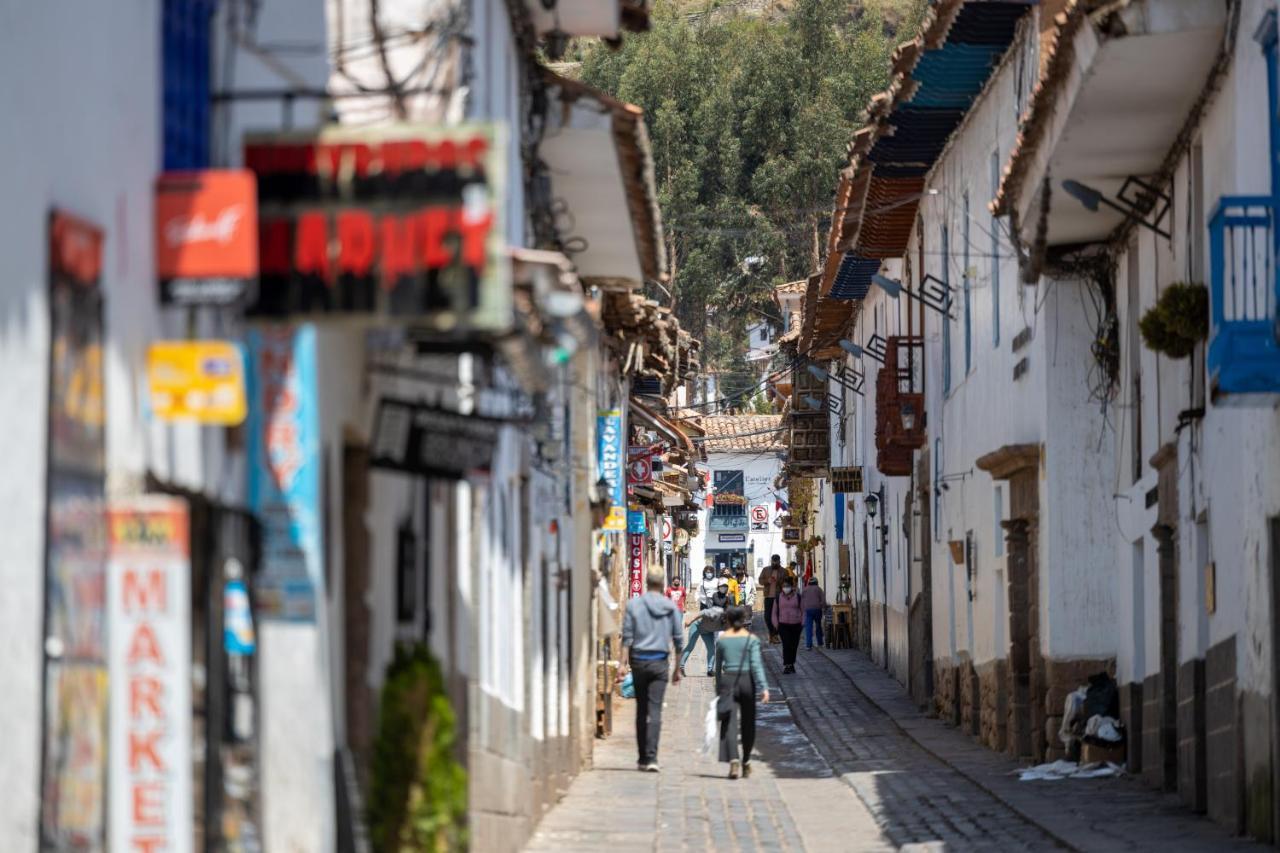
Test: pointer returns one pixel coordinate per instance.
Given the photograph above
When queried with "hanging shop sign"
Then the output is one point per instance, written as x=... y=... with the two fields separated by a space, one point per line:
x=149 y=610
x=760 y=517
x=636 y=522
x=791 y=535
x=727 y=522
x=201 y=381
x=639 y=466
x=206 y=236
x=419 y=439
x=403 y=220
x=724 y=538
x=284 y=470
x=73 y=784
x=609 y=461
x=847 y=480
x=635 y=565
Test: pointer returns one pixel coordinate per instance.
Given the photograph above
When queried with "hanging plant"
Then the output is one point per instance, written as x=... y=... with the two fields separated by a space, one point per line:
x=1178 y=321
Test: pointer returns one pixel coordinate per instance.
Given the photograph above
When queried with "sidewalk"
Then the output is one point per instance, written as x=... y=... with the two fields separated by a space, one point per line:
x=1085 y=814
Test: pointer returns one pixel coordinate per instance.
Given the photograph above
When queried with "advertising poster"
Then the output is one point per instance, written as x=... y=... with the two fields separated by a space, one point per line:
x=635 y=565
x=74 y=750
x=284 y=470
x=610 y=463
x=403 y=220
x=206 y=236
x=149 y=603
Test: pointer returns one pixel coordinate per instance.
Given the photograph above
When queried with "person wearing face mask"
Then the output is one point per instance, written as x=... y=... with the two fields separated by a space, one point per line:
x=705 y=625
x=746 y=589
x=789 y=614
x=707 y=586
x=727 y=575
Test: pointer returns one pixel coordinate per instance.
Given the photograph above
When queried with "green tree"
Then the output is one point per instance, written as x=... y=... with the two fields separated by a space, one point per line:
x=749 y=116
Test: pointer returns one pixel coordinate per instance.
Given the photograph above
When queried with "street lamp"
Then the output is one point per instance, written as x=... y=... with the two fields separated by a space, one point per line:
x=908 y=416
x=872 y=502
x=1149 y=199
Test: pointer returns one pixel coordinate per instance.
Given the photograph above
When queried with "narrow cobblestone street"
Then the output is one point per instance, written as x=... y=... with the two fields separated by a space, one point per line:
x=844 y=761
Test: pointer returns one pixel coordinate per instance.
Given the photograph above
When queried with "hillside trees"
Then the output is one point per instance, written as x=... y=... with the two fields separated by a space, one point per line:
x=749 y=116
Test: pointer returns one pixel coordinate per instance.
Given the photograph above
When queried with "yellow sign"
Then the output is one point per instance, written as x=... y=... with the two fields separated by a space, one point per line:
x=201 y=381
x=616 y=520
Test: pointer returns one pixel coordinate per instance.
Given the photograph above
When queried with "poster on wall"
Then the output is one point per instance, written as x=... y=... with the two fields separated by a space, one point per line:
x=284 y=469
x=610 y=461
x=74 y=722
x=149 y=605
x=635 y=565
x=404 y=221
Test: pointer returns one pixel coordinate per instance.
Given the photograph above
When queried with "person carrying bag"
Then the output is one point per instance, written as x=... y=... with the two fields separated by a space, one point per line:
x=739 y=674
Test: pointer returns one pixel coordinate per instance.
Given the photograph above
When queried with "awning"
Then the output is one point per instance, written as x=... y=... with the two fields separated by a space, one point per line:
x=1117 y=87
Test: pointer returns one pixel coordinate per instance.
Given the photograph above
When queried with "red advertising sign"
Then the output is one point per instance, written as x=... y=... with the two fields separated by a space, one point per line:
x=404 y=220
x=635 y=553
x=207 y=225
x=639 y=468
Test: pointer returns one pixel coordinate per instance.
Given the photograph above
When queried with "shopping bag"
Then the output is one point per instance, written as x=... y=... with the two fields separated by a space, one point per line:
x=628 y=687
x=712 y=731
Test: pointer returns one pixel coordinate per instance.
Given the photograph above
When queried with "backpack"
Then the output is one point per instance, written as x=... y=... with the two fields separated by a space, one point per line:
x=712 y=620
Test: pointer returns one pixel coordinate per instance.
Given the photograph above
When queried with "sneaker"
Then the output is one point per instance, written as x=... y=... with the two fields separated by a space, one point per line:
x=746 y=770
x=682 y=673
x=640 y=766
x=651 y=767
x=735 y=769
x=710 y=673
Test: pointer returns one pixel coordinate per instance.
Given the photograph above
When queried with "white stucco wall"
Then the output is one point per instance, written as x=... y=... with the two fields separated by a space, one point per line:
x=759 y=472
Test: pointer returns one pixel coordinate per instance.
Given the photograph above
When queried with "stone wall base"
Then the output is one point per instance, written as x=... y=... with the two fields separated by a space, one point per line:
x=993 y=687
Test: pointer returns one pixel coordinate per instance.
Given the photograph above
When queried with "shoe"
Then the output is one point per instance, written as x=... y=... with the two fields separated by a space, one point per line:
x=640 y=766
x=788 y=670
x=808 y=648
x=735 y=769
x=651 y=767
x=682 y=673
x=710 y=673
x=746 y=770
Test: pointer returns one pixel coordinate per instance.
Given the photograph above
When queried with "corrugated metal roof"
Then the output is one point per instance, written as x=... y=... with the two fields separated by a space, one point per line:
x=952 y=77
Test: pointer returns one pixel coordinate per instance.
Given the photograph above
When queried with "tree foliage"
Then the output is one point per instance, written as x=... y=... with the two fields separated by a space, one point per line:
x=749 y=116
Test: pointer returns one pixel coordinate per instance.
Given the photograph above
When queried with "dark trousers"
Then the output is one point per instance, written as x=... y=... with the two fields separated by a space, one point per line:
x=741 y=719
x=768 y=615
x=650 y=680
x=790 y=641
x=812 y=618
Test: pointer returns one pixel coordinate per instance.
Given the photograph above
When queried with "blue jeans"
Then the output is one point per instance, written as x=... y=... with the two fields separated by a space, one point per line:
x=812 y=616
x=708 y=642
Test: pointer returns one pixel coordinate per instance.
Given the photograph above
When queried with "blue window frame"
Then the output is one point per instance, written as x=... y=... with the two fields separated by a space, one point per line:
x=995 y=253
x=968 y=309
x=946 y=318
x=185 y=30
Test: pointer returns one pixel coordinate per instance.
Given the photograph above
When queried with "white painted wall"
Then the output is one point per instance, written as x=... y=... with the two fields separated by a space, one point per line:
x=759 y=472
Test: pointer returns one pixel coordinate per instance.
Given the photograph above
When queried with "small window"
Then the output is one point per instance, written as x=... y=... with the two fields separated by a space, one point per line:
x=999 y=517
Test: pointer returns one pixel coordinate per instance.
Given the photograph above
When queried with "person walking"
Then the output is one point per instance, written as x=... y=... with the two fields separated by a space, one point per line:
x=727 y=575
x=789 y=612
x=708 y=585
x=739 y=676
x=677 y=593
x=814 y=602
x=770 y=581
x=650 y=630
x=746 y=589
x=705 y=625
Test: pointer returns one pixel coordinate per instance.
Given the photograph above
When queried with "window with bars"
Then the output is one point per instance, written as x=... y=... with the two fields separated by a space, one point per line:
x=730 y=500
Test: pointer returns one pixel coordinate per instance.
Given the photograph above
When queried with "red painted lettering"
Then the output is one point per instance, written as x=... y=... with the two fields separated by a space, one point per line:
x=355 y=242
x=144 y=595
x=475 y=236
x=274 y=247
x=143 y=647
x=149 y=845
x=311 y=249
x=397 y=249
x=142 y=747
x=436 y=222
x=148 y=804
x=146 y=694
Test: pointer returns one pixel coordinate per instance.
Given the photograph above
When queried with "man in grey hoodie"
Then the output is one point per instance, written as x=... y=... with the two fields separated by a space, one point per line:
x=651 y=628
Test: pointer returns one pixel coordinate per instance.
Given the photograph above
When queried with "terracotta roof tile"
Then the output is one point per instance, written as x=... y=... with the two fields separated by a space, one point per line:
x=743 y=433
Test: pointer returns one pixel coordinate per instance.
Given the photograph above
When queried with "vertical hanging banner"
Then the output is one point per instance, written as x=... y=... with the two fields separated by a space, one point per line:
x=635 y=564
x=284 y=470
x=149 y=604
x=73 y=785
x=404 y=221
x=610 y=463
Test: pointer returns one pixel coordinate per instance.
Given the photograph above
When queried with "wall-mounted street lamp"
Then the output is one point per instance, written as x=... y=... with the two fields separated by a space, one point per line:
x=872 y=503
x=944 y=482
x=908 y=413
x=856 y=351
x=854 y=384
x=1148 y=199
x=934 y=294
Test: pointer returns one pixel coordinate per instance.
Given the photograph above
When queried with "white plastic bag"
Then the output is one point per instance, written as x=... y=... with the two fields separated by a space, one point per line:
x=712 y=732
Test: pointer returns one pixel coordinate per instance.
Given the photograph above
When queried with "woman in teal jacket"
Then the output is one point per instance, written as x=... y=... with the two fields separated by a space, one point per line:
x=739 y=675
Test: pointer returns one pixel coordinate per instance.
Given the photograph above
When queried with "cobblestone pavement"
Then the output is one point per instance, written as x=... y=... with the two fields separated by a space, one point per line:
x=845 y=762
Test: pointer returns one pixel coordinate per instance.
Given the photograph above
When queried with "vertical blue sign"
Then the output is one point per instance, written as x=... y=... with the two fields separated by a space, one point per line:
x=284 y=469
x=612 y=465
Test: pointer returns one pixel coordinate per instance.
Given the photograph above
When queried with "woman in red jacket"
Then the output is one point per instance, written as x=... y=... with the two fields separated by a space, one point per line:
x=788 y=613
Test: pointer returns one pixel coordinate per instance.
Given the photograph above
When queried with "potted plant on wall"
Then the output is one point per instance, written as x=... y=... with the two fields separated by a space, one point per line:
x=1178 y=321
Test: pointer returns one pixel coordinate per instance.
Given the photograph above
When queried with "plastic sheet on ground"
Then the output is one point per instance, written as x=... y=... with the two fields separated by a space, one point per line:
x=711 y=733
x=1056 y=770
